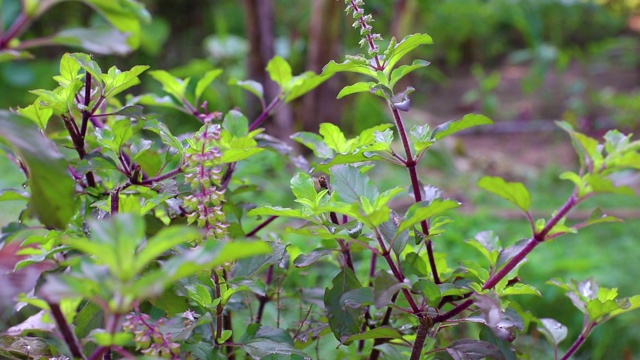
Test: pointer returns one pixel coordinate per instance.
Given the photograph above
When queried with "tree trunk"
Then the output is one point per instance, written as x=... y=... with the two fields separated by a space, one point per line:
x=321 y=104
x=260 y=32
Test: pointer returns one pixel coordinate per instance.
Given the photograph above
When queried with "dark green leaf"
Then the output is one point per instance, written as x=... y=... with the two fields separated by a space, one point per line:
x=385 y=286
x=52 y=188
x=357 y=298
x=470 y=349
x=344 y=322
x=305 y=260
x=314 y=142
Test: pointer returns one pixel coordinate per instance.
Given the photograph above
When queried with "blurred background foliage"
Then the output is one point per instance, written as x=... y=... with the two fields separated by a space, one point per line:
x=523 y=62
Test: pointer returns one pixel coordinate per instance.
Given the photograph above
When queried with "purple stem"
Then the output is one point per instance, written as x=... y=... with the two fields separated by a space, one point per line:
x=67 y=333
x=17 y=27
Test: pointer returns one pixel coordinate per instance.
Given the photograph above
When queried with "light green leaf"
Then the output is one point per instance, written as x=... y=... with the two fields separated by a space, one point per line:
x=521 y=289
x=165 y=135
x=86 y=62
x=37 y=114
x=314 y=142
x=355 y=88
x=513 y=192
x=279 y=71
x=236 y=123
x=452 y=127
x=334 y=138
x=205 y=81
x=278 y=211
x=302 y=84
x=553 y=330
x=171 y=84
x=403 y=70
x=349 y=66
x=251 y=86
x=303 y=186
x=408 y=44
x=166 y=239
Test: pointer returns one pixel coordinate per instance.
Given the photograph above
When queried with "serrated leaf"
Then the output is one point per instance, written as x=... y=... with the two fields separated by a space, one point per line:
x=355 y=88
x=87 y=64
x=278 y=211
x=423 y=210
x=513 y=192
x=165 y=135
x=302 y=84
x=452 y=127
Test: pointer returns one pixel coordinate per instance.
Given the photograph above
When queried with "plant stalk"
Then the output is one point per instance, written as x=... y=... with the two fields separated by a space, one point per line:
x=67 y=333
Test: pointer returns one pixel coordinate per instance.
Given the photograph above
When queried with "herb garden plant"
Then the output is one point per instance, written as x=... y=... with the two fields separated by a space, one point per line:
x=156 y=249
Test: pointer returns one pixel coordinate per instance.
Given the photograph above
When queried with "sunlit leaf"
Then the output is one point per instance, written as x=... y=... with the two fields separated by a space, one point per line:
x=513 y=192
x=452 y=127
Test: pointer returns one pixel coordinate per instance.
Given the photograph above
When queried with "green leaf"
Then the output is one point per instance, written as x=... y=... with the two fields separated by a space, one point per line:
x=69 y=69
x=86 y=62
x=303 y=83
x=349 y=66
x=350 y=184
x=236 y=123
x=37 y=114
x=279 y=71
x=430 y=290
x=305 y=260
x=278 y=211
x=355 y=88
x=423 y=210
x=403 y=70
x=385 y=286
x=334 y=138
x=104 y=338
x=344 y=321
x=116 y=81
x=170 y=84
x=235 y=155
x=251 y=86
x=52 y=189
x=470 y=349
x=166 y=239
x=452 y=127
x=103 y=40
x=408 y=44
x=488 y=244
x=521 y=289
x=13 y=194
x=205 y=81
x=553 y=330
x=513 y=192
x=357 y=298
x=314 y=142
x=303 y=186
x=165 y=135
x=381 y=332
